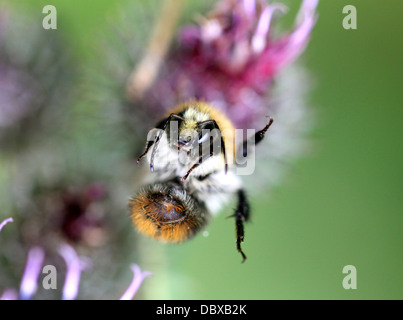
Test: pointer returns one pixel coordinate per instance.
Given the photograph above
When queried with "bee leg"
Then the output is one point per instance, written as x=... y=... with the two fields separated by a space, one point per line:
x=148 y=146
x=241 y=215
x=198 y=163
x=162 y=126
x=154 y=142
x=258 y=137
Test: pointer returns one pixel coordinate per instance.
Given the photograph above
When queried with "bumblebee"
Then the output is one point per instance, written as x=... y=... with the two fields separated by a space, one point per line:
x=191 y=154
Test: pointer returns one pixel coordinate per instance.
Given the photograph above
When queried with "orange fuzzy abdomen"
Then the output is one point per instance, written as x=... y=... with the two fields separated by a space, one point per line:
x=164 y=217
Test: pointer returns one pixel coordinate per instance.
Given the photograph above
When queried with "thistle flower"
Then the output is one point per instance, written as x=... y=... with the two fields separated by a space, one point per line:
x=57 y=192
x=66 y=211
x=81 y=214
x=231 y=58
x=47 y=215
x=75 y=265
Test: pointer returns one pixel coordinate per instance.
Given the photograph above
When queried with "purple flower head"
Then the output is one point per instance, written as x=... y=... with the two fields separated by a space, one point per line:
x=231 y=58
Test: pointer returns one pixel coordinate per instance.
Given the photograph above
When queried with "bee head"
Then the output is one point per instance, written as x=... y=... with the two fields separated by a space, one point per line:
x=193 y=131
x=185 y=133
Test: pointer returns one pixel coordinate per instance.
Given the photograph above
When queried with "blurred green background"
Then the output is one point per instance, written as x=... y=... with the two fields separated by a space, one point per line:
x=339 y=205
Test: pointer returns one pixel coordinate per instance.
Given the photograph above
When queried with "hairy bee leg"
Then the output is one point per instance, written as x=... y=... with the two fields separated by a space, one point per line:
x=260 y=134
x=162 y=125
x=148 y=146
x=258 y=137
x=241 y=215
x=198 y=163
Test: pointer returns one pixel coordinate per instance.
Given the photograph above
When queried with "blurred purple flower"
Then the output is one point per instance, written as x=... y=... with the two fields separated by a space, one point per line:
x=79 y=221
x=32 y=270
x=231 y=58
x=9 y=294
x=77 y=211
x=138 y=278
x=4 y=222
x=75 y=265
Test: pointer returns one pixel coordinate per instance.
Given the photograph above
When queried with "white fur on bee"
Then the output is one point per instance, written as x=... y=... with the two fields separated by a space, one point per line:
x=216 y=190
x=168 y=162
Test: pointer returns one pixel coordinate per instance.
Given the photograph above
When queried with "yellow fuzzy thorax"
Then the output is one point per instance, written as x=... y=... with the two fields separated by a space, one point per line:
x=197 y=111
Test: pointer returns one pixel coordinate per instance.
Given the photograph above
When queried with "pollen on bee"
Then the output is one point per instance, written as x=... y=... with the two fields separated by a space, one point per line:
x=163 y=217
